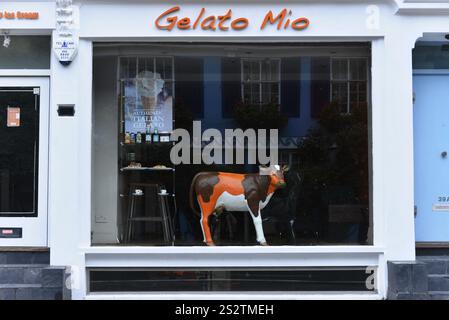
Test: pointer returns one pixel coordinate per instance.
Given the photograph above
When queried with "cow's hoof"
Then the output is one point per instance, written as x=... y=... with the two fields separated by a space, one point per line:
x=210 y=244
x=264 y=244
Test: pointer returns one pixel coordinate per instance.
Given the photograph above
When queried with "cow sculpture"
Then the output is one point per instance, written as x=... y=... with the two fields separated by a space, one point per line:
x=219 y=191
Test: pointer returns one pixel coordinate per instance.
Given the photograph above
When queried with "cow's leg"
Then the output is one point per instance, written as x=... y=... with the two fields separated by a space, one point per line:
x=254 y=210
x=207 y=209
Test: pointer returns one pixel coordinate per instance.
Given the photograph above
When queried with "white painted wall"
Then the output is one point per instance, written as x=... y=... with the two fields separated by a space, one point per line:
x=393 y=36
x=70 y=162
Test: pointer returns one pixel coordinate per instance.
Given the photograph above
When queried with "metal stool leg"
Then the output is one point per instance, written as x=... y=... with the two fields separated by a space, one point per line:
x=130 y=216
x=165 y=221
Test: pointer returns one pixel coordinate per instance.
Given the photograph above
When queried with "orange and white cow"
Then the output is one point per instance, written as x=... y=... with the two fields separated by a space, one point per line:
x=218 y=191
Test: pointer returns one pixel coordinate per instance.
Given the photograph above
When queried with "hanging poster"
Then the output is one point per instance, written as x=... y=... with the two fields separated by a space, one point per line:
x=148 y=103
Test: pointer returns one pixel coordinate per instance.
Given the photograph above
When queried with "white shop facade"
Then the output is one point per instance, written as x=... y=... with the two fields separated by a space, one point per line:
x=104 y=196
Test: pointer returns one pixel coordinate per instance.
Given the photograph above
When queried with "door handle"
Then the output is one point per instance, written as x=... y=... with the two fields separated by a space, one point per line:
x=415 y=210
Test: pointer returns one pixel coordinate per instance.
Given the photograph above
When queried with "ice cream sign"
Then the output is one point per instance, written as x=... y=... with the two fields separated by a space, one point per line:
x=19 y=15
x=281 y=20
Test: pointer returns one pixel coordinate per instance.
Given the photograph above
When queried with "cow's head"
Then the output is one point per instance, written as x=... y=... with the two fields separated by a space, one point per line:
x=276 y=173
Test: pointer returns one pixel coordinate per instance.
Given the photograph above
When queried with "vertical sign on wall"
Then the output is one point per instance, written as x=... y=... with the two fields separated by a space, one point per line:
x=65 y=41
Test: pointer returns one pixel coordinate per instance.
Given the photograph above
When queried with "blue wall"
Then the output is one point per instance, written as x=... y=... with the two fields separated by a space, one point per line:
x=298 y=127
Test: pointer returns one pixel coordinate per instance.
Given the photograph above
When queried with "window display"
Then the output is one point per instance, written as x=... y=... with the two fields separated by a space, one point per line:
x=315 y=192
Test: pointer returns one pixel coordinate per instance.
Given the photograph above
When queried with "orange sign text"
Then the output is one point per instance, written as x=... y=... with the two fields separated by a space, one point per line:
x=19 y=15
x=283 y=20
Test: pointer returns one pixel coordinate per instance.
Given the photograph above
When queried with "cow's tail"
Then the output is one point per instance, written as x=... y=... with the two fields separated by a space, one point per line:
x=192 y=195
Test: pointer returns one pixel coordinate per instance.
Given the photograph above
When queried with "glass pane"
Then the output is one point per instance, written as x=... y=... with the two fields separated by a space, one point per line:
x=270 y=92
x=168 y=90
x=358 y=69
x=246 y=70
x=431 y=56
x=128 y=68
x=251 y=92
x=270 y=70
x=227 y=279
x=251 y=70
x=339 y=69
x=18 y=153
x=326 y=199
x=129 y=96
x=164 y=67
x=340 y=95
x=145 y=64
x=357 y=94
x=26 y=52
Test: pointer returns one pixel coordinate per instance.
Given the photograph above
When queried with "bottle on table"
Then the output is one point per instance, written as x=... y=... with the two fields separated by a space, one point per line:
x=156 y=135
x=148 y=136
x=127 y=138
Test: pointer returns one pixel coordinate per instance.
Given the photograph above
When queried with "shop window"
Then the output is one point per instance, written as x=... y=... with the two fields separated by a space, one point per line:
x=338 y=279
x=141 y=196
x=349 y=83
x=261 y=81
x=431 y=56
x=26 y=52
x=19 y=132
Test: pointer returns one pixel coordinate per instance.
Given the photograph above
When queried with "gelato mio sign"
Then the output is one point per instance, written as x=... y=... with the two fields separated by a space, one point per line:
x=282 y=20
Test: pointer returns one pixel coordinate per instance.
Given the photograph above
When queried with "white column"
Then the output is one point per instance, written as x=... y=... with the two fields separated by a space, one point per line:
x=393 y=147
x=69 y=165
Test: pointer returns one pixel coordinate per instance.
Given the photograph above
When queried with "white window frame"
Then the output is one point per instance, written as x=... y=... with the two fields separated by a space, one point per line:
x=348 y=80
x=260 y=81
x=298 y=256
x=35 y=228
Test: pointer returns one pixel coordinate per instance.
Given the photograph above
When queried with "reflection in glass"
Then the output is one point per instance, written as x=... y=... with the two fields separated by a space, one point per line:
x=326 y=199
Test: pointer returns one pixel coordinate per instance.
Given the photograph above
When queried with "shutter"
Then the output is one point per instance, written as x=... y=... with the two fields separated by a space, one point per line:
x=189 y=84
x=230 y=84
x=320 y=90
x=290 y=86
